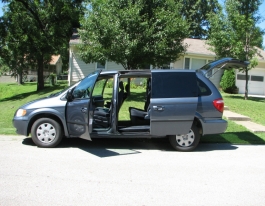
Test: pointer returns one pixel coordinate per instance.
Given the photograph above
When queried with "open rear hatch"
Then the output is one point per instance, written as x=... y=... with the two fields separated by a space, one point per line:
x=224 y=63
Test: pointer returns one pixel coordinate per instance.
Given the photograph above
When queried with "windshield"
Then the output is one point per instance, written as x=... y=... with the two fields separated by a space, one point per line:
x=64 y=90
x=84 y=88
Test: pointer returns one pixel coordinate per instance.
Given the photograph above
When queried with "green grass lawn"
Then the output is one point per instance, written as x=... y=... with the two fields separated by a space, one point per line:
x=12 y=96
x=253 y=107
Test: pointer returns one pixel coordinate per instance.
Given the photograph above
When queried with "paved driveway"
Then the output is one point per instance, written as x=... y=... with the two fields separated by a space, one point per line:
x=129 y=172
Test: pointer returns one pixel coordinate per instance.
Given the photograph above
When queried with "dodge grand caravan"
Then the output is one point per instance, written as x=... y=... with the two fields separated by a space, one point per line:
x=181 y=105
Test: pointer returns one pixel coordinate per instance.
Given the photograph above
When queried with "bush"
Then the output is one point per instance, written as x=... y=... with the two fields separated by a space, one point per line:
x=228 y=82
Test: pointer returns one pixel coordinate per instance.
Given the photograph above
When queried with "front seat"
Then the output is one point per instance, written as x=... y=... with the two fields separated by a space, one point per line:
x=120 y=96
x=102 y=115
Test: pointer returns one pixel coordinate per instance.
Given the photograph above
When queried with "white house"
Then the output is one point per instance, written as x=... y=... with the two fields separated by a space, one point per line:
x=197 y=55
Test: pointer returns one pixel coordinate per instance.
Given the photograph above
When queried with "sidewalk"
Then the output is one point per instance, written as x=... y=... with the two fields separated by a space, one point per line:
x=243 y=120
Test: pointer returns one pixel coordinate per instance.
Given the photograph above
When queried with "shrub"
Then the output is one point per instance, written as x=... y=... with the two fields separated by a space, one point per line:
x=228 y=81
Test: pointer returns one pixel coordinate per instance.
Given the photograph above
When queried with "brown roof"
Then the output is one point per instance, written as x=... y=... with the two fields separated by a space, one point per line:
x=54 y=59
x=198 y=46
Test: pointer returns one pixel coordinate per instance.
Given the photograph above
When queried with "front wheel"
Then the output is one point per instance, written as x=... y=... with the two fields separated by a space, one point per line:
x=186 y=142
x=46 y=132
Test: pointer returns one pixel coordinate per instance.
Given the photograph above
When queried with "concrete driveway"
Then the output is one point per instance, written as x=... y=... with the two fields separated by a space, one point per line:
x=129 y=172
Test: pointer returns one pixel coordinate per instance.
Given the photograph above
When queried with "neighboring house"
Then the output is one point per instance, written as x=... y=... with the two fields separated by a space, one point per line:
x=54 y=66
x=197 y=55
x=256 y=76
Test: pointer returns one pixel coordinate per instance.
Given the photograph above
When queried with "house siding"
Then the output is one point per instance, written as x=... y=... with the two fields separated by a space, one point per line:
x=179 y=63
x=114 y=66
x=80 y=69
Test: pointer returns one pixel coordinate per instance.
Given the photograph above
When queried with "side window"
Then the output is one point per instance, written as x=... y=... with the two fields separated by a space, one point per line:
x=203 y=89
x=99 y=87
x=85 y=87
x=174 y=84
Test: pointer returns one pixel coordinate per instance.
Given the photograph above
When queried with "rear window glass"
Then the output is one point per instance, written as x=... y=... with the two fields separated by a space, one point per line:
x=203 y=89
x=174 y=84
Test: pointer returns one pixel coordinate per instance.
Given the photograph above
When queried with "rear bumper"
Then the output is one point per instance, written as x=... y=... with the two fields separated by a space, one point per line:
x=216 y=126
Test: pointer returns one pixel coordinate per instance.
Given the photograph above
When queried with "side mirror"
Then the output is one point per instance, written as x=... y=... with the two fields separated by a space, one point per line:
x=69 y=95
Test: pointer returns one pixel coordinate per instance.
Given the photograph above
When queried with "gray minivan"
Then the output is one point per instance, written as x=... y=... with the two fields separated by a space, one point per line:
x=180 y=104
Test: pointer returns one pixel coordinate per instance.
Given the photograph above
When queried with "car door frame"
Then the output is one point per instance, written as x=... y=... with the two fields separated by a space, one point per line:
x=80 y=117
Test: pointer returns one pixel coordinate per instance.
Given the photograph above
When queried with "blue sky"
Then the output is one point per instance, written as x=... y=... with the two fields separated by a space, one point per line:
x=261 y=11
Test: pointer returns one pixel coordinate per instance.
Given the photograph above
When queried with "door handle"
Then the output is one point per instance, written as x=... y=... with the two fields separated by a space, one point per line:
x=158 y=108
x=84 y=110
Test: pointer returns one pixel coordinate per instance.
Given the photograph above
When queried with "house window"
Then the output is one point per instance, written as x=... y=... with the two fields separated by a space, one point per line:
x=242 y=77
x=194 y=63
x=187 y=63
x=101 y=66
x=257 y=78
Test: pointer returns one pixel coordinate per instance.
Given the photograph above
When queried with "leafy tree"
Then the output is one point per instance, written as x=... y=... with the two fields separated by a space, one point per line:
x=34 y=30
x=228 y=81
x=235 y=34
x=13 y=57
x=196 y=13
x=133 y=33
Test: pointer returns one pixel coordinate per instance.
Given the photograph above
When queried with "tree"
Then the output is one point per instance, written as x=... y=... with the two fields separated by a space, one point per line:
x=13 y=56
x=235 y=34
x=133 y=33
x=37 y=29
x=196 y=13
x=228 y=81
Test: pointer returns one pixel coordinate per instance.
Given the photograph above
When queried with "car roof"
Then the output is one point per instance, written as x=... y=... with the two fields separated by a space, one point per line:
x=140 y=73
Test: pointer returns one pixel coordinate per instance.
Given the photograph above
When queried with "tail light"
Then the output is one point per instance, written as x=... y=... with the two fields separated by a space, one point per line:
x=219 y=104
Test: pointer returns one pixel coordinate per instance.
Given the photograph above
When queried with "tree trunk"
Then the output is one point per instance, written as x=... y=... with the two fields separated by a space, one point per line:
x=19 y=77
x=40 y=84
x=246 y=86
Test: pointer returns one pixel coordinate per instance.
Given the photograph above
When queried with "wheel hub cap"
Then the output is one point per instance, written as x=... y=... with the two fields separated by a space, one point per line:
x=46 y=133
x=185 y=140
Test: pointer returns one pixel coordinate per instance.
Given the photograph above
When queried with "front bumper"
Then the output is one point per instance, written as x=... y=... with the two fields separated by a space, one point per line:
x=21 y=125
x=216 y=126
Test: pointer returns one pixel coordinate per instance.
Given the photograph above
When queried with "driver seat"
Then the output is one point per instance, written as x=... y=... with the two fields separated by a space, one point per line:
x=102 y=115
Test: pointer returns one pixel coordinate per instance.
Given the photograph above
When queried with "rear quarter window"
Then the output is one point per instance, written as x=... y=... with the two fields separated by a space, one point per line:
x=203 y=89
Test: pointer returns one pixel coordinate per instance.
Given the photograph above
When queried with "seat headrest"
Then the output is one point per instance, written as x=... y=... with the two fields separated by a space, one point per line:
x=127 y=88
x=121 y=85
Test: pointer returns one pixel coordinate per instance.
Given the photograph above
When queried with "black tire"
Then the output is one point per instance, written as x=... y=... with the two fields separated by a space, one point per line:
x=187 y=142
x=46 y=132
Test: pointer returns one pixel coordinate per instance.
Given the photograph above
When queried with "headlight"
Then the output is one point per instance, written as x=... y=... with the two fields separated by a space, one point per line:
x=21 y=112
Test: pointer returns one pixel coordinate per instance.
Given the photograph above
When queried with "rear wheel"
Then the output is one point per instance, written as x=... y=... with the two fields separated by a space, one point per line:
x=186 y=142
x=46 y=132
